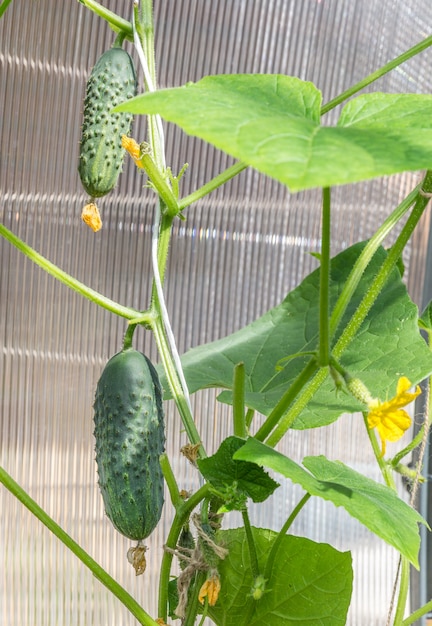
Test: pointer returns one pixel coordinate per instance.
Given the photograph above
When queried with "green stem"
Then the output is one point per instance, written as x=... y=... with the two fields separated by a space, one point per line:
x=385 y=468
x=403 y=591
x=239 y=401
x=365 y=257
x=128 y=336
x=283 y=531
x=163 y=249
x=288 y=397
x=302 y=400
x=426 y=43
x=145 y=30
x=249 y=417
x=144 y=41
x=129 y=602
x=159 y=182
x=193 y=603
x=116 y=23
x=251 y=544
x=423 y=610
x=69 y=281
x=324 y=338
x=3 y=6
x=176 y=499
x=182 y=514
x=385 y=270
x=213 y=184
x=175 y=385
x=356 y=320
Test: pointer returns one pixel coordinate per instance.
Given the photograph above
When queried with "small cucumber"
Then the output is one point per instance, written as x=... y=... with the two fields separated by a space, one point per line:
x=111 y=81
x=129 y=432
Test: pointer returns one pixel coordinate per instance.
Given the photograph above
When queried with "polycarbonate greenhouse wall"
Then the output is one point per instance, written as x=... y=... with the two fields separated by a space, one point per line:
x=237 y=254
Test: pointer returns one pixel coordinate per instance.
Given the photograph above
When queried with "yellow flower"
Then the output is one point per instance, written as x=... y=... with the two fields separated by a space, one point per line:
x=132 y=147
x=210 y=589
x=388 y=417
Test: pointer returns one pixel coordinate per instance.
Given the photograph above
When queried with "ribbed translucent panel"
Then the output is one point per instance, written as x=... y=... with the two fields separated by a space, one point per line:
x=237 y=254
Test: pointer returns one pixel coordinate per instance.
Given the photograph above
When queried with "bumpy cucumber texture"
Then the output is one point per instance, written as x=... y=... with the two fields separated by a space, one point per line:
x=129 y=432
x=111 y=81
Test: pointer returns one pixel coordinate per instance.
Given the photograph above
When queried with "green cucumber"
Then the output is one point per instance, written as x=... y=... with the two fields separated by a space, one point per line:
x=129 y=433
x=111 y=81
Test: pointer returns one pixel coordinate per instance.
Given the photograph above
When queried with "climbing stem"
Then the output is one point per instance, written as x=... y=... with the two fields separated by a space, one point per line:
x=175 y=384
x=129 y=602
x=365 y=257
x=176 y=499
x=70 y=281
x=324 y=338
x=403 y=591
x=288 y=397
x=385 y=270
x=182 y=514
x=238 y=401
x=212 y=184
x=251 y=544
x=388 y=67
x=283 y=531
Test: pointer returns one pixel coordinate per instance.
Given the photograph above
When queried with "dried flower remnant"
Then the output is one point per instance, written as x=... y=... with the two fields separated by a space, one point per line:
x=210 y=589
x=136 y=557
x=133 y=149
x=90 y=215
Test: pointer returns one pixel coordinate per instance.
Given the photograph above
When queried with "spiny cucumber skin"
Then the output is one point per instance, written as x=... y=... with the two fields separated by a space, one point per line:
x=129 y=432
x=111 y=81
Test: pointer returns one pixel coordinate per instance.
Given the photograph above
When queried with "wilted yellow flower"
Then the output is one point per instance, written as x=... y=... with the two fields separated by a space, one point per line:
x=90 y=215
x=132 y=147
x=210 y=589
x=388 y=417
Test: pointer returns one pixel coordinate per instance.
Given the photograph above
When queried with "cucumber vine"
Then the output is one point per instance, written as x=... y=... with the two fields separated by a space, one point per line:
x=211 y=557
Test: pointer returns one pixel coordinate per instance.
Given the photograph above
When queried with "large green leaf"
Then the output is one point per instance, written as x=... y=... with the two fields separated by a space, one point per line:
x=375 y=505
x=310 y=584
x=272 y=123
x=387 y=346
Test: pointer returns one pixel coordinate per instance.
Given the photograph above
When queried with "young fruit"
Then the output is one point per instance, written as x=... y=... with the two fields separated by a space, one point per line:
x=111 y=81
x=129 y=432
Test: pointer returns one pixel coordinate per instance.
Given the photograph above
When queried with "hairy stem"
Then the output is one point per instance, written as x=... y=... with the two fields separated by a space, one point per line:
x=324 y=338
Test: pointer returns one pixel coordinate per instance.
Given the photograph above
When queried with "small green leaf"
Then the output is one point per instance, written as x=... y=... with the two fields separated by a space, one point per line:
x=310 y=584
x=222 y=471
x=272 y=123
x=375 y=505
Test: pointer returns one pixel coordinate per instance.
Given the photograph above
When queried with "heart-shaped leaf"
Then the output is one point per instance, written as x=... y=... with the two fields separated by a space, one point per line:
x=310 y=583
x=272 y=122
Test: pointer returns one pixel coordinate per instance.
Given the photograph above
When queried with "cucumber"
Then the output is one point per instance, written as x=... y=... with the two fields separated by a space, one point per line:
x=129 y=432
x=111 y=81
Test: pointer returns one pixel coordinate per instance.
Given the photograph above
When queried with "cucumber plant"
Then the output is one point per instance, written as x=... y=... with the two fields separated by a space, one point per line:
x=254 y=575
